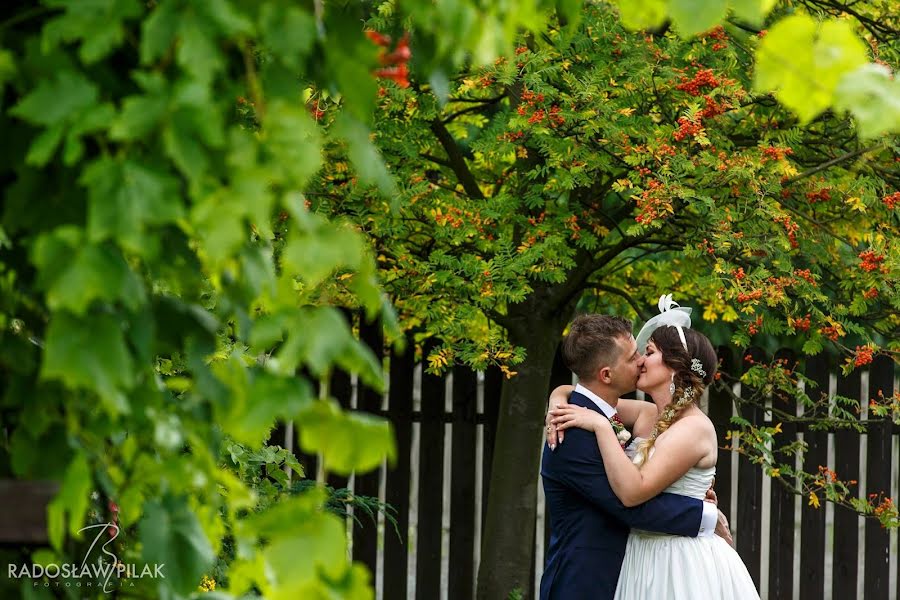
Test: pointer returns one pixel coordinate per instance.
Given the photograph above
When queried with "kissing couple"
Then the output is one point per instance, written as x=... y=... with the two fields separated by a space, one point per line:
x=633 y=515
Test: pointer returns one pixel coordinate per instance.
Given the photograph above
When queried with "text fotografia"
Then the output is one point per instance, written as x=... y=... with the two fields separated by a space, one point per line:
x=105 y=573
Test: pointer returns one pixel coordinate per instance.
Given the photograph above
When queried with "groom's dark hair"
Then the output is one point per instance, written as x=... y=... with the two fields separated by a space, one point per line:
x=591 y=343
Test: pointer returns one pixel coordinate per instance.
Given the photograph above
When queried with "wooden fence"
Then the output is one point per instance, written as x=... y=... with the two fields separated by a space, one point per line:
x=445 y=427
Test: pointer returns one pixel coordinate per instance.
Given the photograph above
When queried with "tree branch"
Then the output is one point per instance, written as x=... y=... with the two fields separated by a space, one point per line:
x=830 y=163
x=457 y=161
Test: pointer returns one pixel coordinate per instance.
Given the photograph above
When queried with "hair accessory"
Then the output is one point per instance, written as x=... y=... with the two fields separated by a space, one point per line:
x=697 y=367
x=670 y=313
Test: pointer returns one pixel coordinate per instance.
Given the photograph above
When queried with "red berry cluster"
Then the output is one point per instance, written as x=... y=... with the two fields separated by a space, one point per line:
x=703 y=78
x=863 y=355
x=871 y=261
x=521 y=50
x=739 y=273
x=652 y=204
x=805 y=274
x=791 y=228
x=832 y=332
x=754 y=327
x=801 y=324
x=511 y=136
x=775 y=153
x=821 y=195
x=713 y=108
x=752 y=295
x=717 y=33
x=394 y=64
x=686 y=127
x=891 y=200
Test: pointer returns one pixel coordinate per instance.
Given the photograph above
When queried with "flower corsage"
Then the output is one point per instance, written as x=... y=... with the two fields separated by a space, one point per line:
x=622 y=434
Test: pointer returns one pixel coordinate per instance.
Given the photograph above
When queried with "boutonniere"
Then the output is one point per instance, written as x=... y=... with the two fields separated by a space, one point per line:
x=622 y=434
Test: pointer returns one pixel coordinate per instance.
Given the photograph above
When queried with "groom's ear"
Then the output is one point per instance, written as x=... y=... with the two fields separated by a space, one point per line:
x=605 y=375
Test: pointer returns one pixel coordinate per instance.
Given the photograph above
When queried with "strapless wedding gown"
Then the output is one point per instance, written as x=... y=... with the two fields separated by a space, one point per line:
x=659 y=566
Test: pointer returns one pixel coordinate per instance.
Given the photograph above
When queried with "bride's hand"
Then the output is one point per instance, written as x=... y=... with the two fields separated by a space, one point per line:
x=558 y=399
x=578 y=416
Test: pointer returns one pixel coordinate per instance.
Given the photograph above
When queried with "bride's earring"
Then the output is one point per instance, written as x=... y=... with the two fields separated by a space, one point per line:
x=672 y=385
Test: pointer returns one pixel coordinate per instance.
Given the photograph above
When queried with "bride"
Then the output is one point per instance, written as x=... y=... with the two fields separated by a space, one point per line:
x=679 y=457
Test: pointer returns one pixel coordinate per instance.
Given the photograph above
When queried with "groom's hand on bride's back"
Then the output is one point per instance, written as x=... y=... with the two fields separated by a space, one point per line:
x=711 y=494
x=722 y=529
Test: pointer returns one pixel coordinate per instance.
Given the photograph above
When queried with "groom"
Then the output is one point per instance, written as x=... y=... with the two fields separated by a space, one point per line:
x=589 y=524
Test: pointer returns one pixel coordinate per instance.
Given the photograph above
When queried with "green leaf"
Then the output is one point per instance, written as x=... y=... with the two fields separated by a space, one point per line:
x=803 y=62
x=197 y=51
x=158 y=30
x=251 y=415
x=316 y=254
x=292 y=138
x=753 y=12
x=364 y=155
x=89 y=354
x=171 y=535
x=96 y=23
x=642 y=14
x=348 y=441
x=74 y=273
x=124 y=198
x=42 y=148
x=57 y=100
x=71 y=501
x=307 y=545
x=696 y=16
x=288 y=32
x=138 y=117
x=872 y=95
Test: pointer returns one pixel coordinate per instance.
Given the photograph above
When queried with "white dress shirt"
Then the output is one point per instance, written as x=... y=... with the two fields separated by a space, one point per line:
x=710 y=511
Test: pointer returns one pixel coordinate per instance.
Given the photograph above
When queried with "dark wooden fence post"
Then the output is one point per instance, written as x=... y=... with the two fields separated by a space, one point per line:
x=812 y=520
x=846 y=522
x=878 y=480
x=781 y=519
x=462 y=484
x=365 y=529
x=749 y=528
x=431 y=479
x=493 y=385
x=721 y=407
x=400 y=406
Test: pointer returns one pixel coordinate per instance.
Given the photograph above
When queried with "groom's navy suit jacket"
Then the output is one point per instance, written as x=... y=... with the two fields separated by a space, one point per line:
x=589 y=525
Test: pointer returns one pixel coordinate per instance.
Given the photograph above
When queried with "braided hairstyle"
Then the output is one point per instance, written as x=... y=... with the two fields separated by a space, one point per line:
x=689 y=385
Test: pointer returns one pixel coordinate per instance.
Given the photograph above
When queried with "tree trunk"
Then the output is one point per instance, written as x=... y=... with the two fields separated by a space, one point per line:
x=507 y=549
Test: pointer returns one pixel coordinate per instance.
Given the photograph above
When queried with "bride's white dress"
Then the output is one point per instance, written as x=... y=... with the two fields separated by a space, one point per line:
x=661 y=566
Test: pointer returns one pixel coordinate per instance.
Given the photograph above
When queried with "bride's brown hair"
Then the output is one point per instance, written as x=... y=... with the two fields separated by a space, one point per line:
x=668 y=343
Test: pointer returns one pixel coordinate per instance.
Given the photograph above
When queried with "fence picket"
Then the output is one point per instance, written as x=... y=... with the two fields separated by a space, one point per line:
x=846 y=522
x=462 y=490
x=720 y=410
x=400 y=407
x=812 y=520
x=365 y=531
x=878 y=480
x=431 y=477
x=749 y=528
x=781 y=526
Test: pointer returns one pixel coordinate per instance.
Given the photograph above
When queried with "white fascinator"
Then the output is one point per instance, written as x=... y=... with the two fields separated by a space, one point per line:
x=670 y=313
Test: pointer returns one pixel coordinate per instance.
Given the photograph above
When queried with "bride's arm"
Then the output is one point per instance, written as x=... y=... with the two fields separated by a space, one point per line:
x=558 y=397
x=672 y=459
x=638 y=416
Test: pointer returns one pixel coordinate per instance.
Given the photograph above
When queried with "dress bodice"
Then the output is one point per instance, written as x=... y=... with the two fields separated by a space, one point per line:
x=693 y=484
